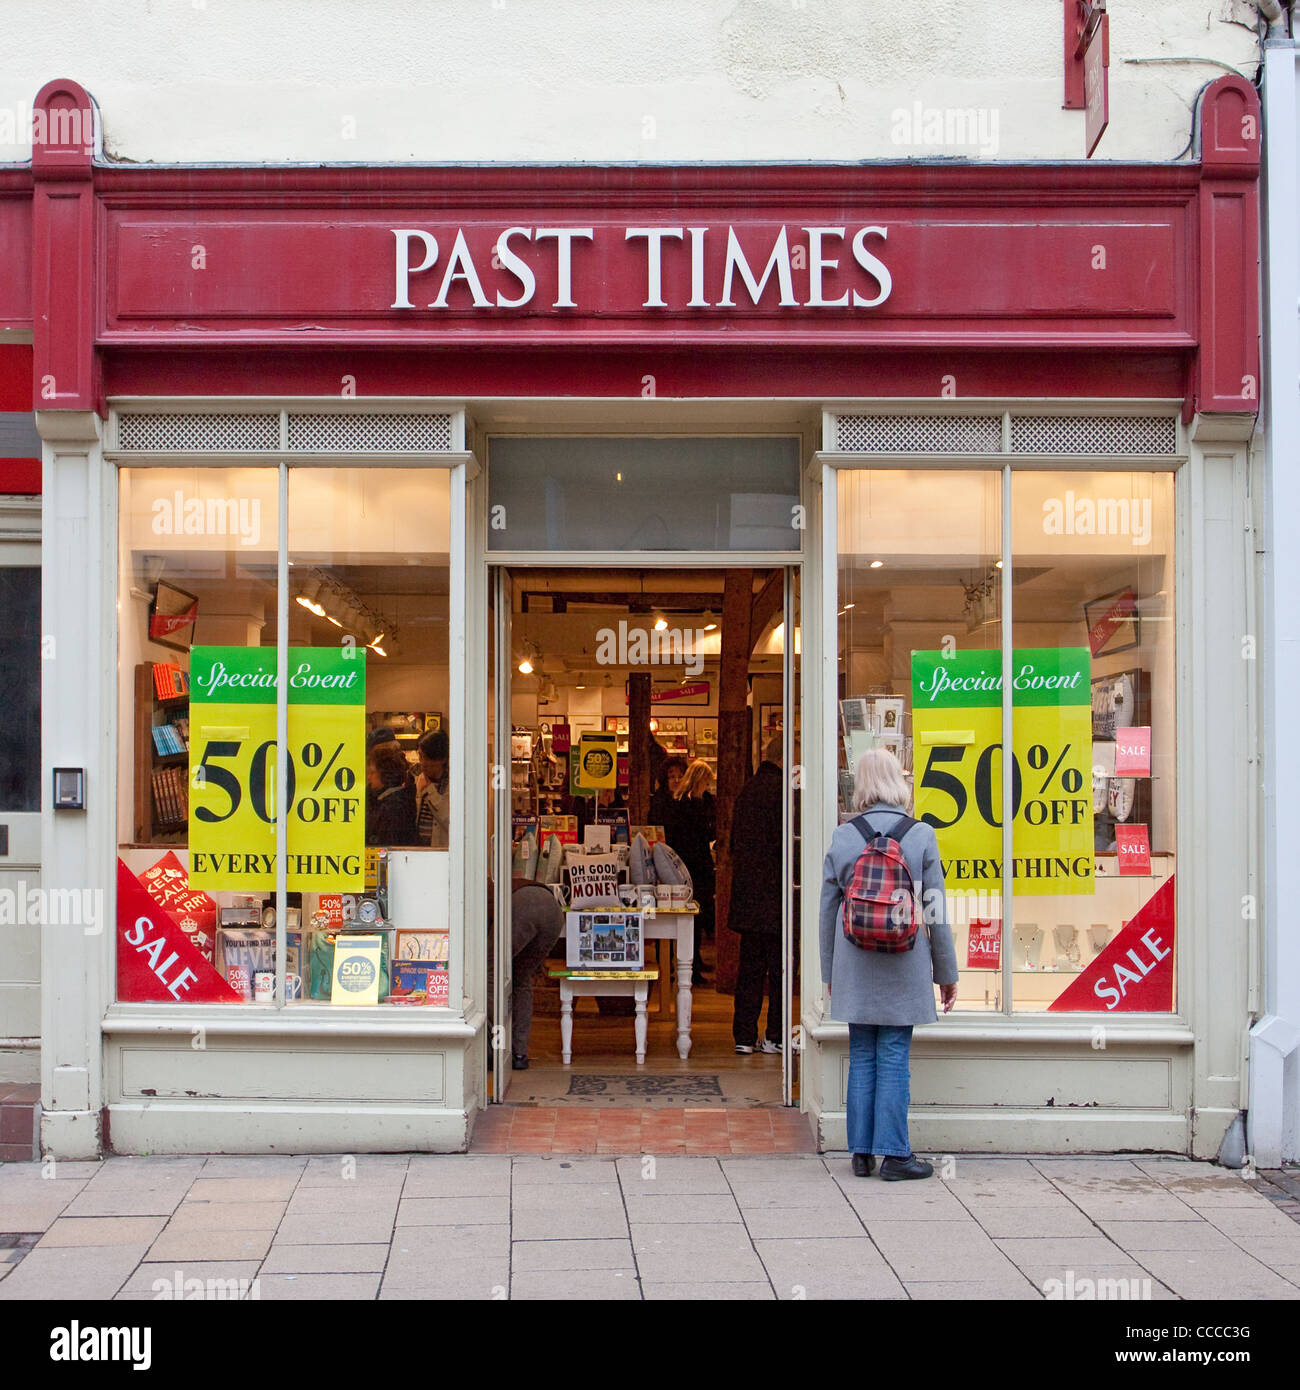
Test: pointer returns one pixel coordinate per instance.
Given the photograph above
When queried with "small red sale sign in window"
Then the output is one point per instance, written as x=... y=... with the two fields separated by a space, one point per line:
x=1133 y=751
x=1133 y=849
x=984 y=945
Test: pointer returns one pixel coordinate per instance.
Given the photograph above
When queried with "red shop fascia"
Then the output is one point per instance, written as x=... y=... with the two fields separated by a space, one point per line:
x=817 y=282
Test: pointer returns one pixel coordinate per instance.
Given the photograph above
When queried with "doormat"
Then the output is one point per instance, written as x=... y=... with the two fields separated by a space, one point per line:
x=614 y=1084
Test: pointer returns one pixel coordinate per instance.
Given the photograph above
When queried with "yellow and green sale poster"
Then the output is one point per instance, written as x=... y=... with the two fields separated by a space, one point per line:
x=957 y=757
x=233 y=762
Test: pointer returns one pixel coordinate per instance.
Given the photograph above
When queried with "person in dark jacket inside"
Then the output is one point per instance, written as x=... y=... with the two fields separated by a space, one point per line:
x=756 y=893
x=661 y=803
x=390 y=797
x=691 y=827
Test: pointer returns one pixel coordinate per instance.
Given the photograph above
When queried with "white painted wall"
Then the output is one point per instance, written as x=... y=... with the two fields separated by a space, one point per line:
x=654 y=80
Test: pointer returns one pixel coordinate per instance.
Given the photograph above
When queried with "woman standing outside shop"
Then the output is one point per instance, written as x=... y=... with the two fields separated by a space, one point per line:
x=882 y=997
x=691 y=827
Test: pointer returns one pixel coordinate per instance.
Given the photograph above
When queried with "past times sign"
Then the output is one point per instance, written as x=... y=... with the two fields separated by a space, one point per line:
x=957 y=740
x=233 y=769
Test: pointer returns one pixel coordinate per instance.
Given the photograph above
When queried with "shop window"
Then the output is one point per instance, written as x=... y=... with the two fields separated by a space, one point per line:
x=1093 y=573
x=614 y=494
x=920 y=594
x=20 y=673
x=1089 y=924
x=365 y=651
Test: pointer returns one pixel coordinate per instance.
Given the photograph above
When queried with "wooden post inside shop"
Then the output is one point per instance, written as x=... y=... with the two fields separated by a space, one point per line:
x=734 y=739
x=638 y=747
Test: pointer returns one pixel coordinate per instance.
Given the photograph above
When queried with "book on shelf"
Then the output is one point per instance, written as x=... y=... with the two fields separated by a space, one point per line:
x=170 y=681
x=168 y=740
x=171 y=795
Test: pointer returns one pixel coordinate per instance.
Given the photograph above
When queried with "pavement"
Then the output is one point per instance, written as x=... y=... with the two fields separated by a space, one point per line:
x=644 y=1226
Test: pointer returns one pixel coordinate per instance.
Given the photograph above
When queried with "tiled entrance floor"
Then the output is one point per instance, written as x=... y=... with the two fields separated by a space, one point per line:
x=569 y=1129
x=19 y=1121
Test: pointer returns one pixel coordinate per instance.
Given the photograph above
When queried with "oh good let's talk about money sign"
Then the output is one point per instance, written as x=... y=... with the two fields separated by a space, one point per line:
x=233 y=769
x=957 y=756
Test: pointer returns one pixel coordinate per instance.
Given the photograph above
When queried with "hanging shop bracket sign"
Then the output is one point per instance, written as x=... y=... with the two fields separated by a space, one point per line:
x=233 y=769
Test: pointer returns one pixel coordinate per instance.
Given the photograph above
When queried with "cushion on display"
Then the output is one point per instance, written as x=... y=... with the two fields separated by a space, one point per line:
x=552 y=862
x=669 y=867
x=524 y=861
x=641 y=866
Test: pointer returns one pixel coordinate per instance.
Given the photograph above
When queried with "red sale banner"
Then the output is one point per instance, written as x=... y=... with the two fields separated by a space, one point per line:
x=1123 y=610
x=1133 y=751
x=1133 y=850
x=984 y=945
x=1135 y=973
x=156 y=961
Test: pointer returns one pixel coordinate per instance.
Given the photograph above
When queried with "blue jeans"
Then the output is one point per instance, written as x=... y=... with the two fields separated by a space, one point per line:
x=878 y=1091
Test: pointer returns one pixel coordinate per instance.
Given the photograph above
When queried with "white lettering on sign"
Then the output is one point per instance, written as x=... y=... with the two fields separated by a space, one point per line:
x=152 y=950
x=1112 y=994
x=416 y=252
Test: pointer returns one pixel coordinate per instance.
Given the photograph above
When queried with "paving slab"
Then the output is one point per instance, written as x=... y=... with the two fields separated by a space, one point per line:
x=431 y=1254
x=318 y=1287
x=957 y=1251
x=846 y=1267
x=344 y=1199
x=647 y=1208
x=534 y=1171
x=72 y=1273
x=122 y=1199
x=247 y=1166
x=325 y=1259
x=160 y=1280
x=572 y=1284
x=1216 y=1274
x=535 y=1256
x=458 y=1175
x=251 y=1189
x=1271 y=1250
x=750 y=1195
x=1124 y=1280
x=772 y=1223
x=340 y=1228
x=1062 y=1219
x=62 y=1170
x=1065 y=1250
x=131 y=1169
x=33 y=1215
x=1138 y=1200
x=787 y=1169
x=1081 y=1169
x=972 y=1291
x=1136 y=1236
x=467 y=1279
x=1030 y=1192
x=1263 y=1219
x=380 y=1169
x=710 y=1252
x=89 y=1231
x=202 y=1245
x=225 y=1216
x=554 y=1223
x=673 y=1292
x=453 y=1211
x=904 y=1201
x=689 y=1176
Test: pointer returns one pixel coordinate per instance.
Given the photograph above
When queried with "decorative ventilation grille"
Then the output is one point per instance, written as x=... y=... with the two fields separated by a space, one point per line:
x=919 y=434
x=194 y=433
x=1094 y=434
x=329 y=433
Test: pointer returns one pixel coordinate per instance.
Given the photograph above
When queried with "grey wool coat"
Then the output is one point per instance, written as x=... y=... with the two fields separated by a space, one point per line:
x=870 y=986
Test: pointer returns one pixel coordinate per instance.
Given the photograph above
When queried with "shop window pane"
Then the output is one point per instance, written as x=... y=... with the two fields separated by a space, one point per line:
x=196 y=589
x=919 y=626
x=1093 y=573
x=613 y=494
x=20 y=678
x=370 y=579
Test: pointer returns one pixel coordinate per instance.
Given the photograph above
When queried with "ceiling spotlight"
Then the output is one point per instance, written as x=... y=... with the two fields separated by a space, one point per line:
x=377 y=649
x=310 y=606
x=330 y=619
x=876 y=564
x=709 y=624
x=525 y=667
x=660 y=624
x=998 y=565
x=847 y=606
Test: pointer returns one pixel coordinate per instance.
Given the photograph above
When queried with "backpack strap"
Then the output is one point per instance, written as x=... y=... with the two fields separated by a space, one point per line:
x=896 y=832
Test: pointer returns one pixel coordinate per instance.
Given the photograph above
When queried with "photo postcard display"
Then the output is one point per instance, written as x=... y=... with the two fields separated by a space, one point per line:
x=604 y=941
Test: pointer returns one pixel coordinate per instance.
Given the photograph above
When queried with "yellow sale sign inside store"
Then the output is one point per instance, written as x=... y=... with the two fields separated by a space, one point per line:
x=957 y=757
x=233 y=762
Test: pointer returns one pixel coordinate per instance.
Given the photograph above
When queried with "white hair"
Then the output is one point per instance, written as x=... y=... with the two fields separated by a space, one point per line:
x=878 y=778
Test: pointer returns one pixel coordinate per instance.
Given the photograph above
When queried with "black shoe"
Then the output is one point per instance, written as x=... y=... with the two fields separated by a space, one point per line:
x=518 y=1063
x=863 y=1165
x=896 y=1169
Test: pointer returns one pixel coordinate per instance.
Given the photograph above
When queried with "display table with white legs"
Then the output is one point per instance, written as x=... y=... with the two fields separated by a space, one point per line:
x=677 y=926
x=621 y=982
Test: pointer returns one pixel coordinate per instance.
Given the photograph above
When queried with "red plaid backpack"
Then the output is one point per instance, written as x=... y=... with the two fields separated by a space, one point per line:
x=880 y=908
